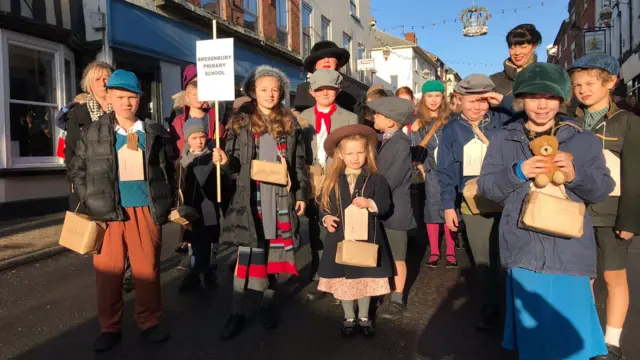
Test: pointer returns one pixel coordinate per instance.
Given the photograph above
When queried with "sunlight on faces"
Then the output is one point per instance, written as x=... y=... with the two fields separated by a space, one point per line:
x=98 y=84
x=433 y=100
x=191 y=96
x=353 y=152
x=474 y=106
x=325 y=96
x=125 y=103
x=521 y=54
x=541 y=109
x=267 y=93
x=197 y=141
x=327 y=63
x=590 y=88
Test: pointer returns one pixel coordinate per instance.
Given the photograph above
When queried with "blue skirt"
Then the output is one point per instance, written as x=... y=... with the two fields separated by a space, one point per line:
x=551 y=316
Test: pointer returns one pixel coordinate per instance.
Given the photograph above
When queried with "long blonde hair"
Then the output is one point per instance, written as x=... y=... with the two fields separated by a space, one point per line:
x=90 y=71
x=443 y=112
x=337 y=166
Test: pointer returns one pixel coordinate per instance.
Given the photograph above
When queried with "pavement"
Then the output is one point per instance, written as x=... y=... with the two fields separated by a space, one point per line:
x=48 y=311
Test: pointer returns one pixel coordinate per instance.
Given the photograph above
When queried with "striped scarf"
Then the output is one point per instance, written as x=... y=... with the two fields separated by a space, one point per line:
x=254 y=264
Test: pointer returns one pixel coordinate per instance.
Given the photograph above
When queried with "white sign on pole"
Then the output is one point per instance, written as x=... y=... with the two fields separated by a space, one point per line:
x=216 y=76
x=366 y=64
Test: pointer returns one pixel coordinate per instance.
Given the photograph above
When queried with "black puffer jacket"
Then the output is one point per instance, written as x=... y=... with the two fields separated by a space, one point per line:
x=94 y=174
x=239 y=226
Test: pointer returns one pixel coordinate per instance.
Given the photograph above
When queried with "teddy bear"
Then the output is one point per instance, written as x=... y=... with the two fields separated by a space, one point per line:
x=547 y=146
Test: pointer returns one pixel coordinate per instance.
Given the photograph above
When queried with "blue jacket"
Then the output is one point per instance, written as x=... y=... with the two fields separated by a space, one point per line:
x=456 y=134
x=394 y=162
x=498 y=182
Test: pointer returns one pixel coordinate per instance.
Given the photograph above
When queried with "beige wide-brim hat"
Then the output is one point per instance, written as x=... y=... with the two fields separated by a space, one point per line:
x=334 y=138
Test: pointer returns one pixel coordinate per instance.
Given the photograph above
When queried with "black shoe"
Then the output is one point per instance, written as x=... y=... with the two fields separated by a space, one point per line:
x=190 y=282
x=614 y=353
x=269 y=317
x=460 y=243
x=489 y=318
x=366 y=328
x=233 y=327
x=316 y=295
x=210 y=280
x=127 y=284
x=451 y=262
x=107 y=341
x=155 y=334
x=392 y=310
x=433 y=261
x=348 y=328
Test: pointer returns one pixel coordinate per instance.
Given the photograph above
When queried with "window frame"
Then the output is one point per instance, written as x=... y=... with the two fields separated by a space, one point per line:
x=361 y=74
x=324 y=20
x=279 y=30
x=353 y=8
x=60 y=53
x=348 y=47
x=306 y=33
x=256 y=15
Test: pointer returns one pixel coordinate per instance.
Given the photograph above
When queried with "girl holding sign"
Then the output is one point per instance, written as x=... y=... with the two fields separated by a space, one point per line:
x=551 y=311
x=460 y=154
x=264 y=145
x=353 y=184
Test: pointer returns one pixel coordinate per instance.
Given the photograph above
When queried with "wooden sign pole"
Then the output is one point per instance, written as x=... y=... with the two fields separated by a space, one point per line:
x=217 y=130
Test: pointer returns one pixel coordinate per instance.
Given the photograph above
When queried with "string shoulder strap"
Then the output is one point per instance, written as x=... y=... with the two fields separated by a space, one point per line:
x=480 y=134
x=430 y=134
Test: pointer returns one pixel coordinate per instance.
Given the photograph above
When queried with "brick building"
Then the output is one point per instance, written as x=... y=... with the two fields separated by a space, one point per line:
x=583 y=14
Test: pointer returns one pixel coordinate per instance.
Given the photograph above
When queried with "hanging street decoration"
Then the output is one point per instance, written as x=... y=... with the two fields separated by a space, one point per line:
x=474 y=21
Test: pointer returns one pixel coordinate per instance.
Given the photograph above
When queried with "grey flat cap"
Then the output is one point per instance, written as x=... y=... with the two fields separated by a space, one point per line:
x=397 y=109
x=325 y=77
x=474 y=84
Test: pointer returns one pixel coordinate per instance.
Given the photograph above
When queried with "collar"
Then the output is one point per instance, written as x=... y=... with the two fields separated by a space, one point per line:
x=137 y=126
x=613 y=109
x=389 y=135
x=566 y=129
x=511 y=70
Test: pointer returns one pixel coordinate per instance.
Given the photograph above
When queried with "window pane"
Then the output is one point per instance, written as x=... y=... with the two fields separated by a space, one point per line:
x=353 y=8
x=326 y=24
x=211 y=5
x=283 y=38
x=306 y=19
x=250 y=22
x=31 y=75
x=251 y=5
x=31 y=130
x=306 y=45
x=67 y=81
x=281 y=14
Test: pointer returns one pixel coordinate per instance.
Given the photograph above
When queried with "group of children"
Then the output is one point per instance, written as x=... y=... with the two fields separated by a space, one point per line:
x=123 y=172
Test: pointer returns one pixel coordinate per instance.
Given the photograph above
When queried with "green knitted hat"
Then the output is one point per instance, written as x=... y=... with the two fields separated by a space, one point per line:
x=543 y=78
x=433 y=86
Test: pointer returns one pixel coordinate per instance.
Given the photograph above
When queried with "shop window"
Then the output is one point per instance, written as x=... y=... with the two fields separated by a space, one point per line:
x=326 y=29
x=38 y=76
x=282 y=22
x=306 y=29
x=251 y=16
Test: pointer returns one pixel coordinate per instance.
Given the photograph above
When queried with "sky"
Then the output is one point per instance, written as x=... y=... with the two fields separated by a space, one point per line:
x=484 y=54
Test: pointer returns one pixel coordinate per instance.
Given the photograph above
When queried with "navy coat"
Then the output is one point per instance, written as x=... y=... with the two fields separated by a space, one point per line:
x=521 y=248
x=394 y=162
x=433 y=208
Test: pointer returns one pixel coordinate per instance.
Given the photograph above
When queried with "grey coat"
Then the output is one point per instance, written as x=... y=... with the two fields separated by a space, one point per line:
x=340 y=118
x=394 y=162
x=433 y=208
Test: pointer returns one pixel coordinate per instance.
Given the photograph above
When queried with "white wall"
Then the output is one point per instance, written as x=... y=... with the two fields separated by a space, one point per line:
x=399 y=63
x=338 y=12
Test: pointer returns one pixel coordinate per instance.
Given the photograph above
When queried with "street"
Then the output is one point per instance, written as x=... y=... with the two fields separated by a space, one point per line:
x=47 y=311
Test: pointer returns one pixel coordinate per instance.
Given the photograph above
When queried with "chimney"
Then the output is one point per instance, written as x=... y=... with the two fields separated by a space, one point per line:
x=411 y=37
x=372 y=23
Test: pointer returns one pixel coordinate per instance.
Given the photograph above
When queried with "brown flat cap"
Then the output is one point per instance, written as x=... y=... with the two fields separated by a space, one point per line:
x=334 y=138
x=374 y=87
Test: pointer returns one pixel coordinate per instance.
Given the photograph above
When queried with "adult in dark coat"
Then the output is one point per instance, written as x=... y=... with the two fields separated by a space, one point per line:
x=94 y=81
x=326 y=54
x=523 y=40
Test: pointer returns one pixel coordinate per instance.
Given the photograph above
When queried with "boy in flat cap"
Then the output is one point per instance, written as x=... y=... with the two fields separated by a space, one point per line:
x=615 y=219
x=466 y=137
x=324 y=117
x=394 y=161
x=123 y=172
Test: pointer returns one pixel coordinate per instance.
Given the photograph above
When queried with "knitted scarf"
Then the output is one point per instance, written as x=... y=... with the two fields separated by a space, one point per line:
x=95 y=110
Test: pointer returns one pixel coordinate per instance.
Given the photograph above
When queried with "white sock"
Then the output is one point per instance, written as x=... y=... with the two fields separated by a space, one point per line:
x=612 y=336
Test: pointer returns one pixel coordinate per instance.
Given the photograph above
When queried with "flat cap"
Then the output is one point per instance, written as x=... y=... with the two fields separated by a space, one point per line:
x=397 y=109
x=325 y=78
x=597 y=61
x=474 y=84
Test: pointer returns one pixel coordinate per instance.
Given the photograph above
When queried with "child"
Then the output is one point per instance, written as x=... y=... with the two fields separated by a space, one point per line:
x=477 y=123
x=197 y=180
x=134 y=200
x=551 y=312
x=262 y=219
x=394 y=162
x=615 y=219
x=353 y=178
x=434 y=115
x=325 y=116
